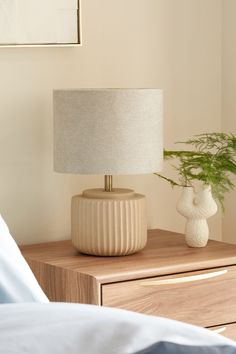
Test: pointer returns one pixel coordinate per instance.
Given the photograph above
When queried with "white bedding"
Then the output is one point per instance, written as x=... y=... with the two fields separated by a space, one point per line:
x=17 y=282
x=55 y=328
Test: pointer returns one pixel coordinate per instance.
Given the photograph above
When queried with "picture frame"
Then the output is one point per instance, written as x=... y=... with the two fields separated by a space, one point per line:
x=36 y=23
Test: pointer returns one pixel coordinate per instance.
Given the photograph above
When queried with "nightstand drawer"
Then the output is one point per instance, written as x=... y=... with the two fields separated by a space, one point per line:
x=205 y=298
x=228 y=331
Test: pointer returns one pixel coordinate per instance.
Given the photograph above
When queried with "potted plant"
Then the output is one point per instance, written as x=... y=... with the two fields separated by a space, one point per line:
x=212 y=162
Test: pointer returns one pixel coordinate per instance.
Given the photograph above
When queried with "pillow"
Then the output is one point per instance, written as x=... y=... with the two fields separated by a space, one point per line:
x=17 y=282
x=60 y=328
x=174 y=348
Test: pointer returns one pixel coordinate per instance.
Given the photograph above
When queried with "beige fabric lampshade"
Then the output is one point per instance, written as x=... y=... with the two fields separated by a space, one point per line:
x=108 y=131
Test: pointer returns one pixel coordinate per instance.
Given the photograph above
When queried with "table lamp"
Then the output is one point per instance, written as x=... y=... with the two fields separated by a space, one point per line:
x=108 y=132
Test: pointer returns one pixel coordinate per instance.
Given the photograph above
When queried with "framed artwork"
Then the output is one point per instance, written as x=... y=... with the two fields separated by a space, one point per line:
x=40 y=22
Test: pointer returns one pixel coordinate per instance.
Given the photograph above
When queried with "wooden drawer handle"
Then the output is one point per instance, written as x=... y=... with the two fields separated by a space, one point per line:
x=184 y=279
x=219 y=330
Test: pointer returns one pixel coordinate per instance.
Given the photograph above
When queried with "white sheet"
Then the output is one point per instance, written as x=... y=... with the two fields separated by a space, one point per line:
x=17 y=282
x=85 y=329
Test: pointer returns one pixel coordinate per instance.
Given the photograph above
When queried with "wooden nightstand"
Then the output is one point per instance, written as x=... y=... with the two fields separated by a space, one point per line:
x=166 y=279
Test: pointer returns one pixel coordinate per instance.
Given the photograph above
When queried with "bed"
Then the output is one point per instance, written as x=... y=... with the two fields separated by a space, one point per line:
x=30 y=324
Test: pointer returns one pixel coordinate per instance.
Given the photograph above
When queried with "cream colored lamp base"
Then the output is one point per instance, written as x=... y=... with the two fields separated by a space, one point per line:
x=109 y=223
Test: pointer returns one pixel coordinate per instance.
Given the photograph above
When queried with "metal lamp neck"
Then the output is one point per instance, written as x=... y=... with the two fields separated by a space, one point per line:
x=108 y=183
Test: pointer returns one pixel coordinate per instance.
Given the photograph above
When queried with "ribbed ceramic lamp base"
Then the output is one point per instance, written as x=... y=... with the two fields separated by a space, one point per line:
x=109 y=223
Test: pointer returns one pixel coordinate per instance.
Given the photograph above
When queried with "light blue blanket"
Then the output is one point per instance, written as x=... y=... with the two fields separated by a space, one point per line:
x=54 y=328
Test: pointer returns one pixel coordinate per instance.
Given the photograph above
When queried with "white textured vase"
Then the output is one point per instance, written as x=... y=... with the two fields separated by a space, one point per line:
x=196 y=207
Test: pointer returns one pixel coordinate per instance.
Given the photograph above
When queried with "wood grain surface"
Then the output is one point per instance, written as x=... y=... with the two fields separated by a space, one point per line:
x=228 y=330
x=165 y=253
x=200 y=301
x=64 y=285
x=127 y=282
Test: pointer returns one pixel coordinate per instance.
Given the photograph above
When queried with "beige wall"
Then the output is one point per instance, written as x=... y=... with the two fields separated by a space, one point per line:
x=174 y=45
x=229 y=103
